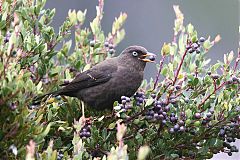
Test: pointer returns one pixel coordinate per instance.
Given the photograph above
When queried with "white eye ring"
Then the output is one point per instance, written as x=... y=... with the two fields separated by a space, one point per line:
x=135 y=54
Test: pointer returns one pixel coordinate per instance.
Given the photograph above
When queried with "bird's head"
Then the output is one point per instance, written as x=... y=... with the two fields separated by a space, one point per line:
x=138 y=55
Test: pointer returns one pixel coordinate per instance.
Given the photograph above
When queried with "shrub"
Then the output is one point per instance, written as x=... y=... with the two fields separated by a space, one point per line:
x=192 y=112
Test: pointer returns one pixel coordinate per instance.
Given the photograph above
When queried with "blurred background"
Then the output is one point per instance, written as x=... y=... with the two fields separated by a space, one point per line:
x=150 y=24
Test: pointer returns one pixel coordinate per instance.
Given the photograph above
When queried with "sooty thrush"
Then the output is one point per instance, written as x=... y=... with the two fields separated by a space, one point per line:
x=110 y=79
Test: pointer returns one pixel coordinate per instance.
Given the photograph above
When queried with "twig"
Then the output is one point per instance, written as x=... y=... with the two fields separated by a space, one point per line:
x=179 y=67
x=159 y=71
x=134 y=116
x=237 y=61
x=206 y=98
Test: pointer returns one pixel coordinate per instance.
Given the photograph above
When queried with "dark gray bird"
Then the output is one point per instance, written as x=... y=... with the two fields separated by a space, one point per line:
x=105 y=83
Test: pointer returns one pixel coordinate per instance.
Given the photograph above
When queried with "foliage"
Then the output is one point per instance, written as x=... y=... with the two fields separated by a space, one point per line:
x=193 y=112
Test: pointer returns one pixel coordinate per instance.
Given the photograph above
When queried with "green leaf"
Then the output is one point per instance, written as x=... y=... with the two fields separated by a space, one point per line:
x=112 y=125
x=164 y=71
x=189 y=113
x=174 y=156
x=195 y=81
x=81 y=16
x=207 y=44
x=149 y=102
x=190 y=28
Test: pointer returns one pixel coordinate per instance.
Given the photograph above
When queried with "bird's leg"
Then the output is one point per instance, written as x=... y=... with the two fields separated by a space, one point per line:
x=83 y=110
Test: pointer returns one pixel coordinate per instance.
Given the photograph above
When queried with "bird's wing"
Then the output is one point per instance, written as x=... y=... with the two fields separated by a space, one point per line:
x=97 y=75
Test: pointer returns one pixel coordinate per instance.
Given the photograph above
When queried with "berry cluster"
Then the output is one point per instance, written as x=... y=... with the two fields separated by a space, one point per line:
x=140 y=98
x=7 y=37
x=125 y=103
x=60 y=155
x=109 y=47
x=229 y=134
x=85 y=132
x=195 y=47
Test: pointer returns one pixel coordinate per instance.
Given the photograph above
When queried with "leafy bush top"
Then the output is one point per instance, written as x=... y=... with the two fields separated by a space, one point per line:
x=192 y=112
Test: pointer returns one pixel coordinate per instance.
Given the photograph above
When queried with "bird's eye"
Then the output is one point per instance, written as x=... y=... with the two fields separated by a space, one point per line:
x=135 y=54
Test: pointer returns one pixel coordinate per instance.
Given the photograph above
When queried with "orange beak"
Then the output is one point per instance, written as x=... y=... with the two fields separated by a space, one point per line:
x=148 y=57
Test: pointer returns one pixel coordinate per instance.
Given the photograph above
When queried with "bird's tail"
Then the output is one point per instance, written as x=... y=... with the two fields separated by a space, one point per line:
x=38 y=99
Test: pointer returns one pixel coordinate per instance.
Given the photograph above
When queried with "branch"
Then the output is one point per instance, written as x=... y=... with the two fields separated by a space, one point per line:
x=159 y=71
x=206 y=98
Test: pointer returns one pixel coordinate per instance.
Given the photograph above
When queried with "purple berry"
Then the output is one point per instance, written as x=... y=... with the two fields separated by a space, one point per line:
x=209 y=114
x=153 y=95
x=182 y=129
x=173 y=119
x=164 y=114
x=181 y=123
x=194 y=46
x=201 y=39
x=215 y=76
x=191 y=50
x=110 y=46
x=198 y=50
x=167 y=109
x=111 y=51
x=176 y=127
x=171 y=130
x=178 y=87
x=106 y=44
x=92 y=43
x=197 y=115
x=164 y=121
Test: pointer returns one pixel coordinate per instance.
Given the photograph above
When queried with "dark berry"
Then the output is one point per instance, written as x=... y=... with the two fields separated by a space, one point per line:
x=182 y=129
x=13 y=53
x=92 y=43
x=209 y=73
x=197 y=115
x=176 y=127
x=198 y=50
x=148 y=117
x=173 y=119
x=164 y=121
x=221 y=132
x=164 y=114
x=110 y=46
x=160 y=111
x=188 y=47
x=124 y=101
x=106 y=44
x=181 y=123
x=153 y=95
x=201 y=39
x=194 y=46
x=171 y=130
x=128 y=99
x=191 y=50
x=235 y=79
x=88 y=134
x=60 y=156
x=167 y=109
x=161 y=116
x=140 y=100
x=156 y=116
x=152 y=58
x=229 y=153
x=215 y=76
x=209 y=114
x=172 y=114
x=182 y=114
x=111 y=51
x=123 y=98
x=178 y=87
